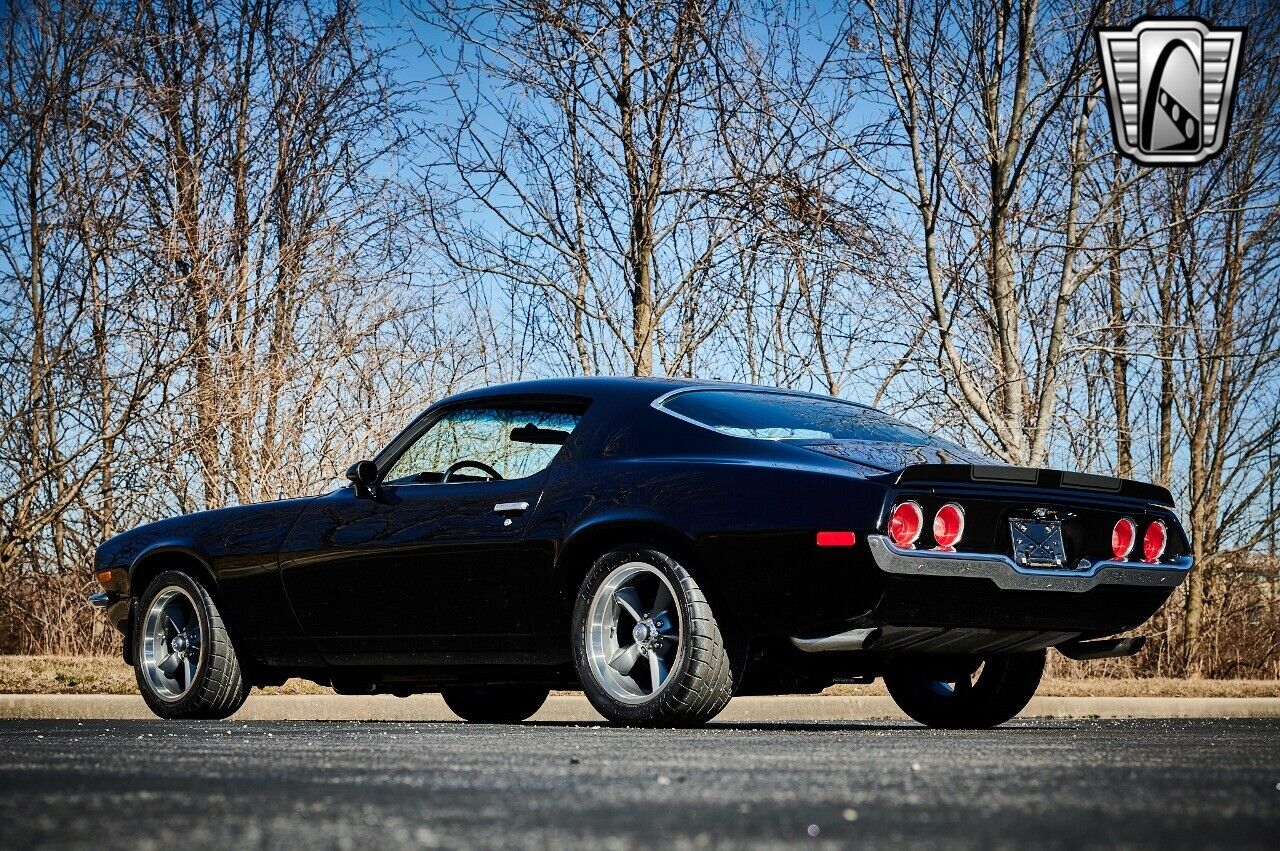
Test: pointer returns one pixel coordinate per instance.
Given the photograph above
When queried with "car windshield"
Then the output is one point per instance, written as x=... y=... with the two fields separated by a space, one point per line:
x=793 y=416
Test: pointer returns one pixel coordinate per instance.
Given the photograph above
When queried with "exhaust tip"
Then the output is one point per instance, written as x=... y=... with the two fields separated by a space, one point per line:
x=854 y=639
x=1103 y=648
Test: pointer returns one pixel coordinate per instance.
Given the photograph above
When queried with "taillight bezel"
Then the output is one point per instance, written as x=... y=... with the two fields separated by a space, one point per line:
x=941 y=540
x=1147 y=555
x=914 y=507
x=1116 y=553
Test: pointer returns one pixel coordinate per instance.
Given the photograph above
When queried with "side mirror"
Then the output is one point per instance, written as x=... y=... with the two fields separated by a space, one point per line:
x=364 y=475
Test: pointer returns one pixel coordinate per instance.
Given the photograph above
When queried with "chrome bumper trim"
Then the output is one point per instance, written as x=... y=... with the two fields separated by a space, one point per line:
x=1007 y=574
x=100 y=600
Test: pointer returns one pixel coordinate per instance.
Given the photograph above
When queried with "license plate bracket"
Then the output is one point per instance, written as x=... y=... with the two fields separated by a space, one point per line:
x=1038 y=543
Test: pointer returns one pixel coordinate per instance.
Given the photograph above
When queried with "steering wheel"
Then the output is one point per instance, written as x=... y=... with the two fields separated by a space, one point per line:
x=458 y=465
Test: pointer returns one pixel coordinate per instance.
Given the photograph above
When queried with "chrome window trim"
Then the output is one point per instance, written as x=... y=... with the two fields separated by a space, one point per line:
x=660 y=404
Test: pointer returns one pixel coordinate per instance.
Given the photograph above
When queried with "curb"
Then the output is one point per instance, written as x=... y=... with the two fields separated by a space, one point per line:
x=576 y=709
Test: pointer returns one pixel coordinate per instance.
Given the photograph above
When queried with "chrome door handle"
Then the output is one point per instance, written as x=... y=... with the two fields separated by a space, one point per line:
x=511 y=507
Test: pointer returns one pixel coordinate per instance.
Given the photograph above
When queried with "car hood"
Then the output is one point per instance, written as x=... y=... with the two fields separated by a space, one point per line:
x=888 y=457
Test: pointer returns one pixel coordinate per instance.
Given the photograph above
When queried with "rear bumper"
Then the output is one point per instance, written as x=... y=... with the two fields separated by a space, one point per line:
x=934 y=602
x=1009 y=576
x=979 y=591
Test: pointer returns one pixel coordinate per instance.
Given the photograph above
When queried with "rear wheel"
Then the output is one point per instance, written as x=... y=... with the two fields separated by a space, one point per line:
x=648 y=649
x=185 y=663
x=504 y=704
x=981 y=696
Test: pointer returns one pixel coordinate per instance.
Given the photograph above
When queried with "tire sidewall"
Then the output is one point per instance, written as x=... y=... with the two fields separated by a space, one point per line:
x=1004 y=688
x=649 y=711
x=501 y=704
x=191 y=702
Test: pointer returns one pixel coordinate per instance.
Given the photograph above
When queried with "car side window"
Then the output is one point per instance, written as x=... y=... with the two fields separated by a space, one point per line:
x=517 y=442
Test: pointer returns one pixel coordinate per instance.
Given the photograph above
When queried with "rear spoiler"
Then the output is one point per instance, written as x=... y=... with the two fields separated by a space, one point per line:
x=1030 y=477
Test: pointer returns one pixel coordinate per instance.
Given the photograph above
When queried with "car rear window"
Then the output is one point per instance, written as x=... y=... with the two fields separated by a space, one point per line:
x=792 y=416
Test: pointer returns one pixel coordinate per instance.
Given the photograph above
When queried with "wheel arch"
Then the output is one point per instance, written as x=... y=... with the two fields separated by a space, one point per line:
x=156 y=559
x=591 y=540
x=149 y=564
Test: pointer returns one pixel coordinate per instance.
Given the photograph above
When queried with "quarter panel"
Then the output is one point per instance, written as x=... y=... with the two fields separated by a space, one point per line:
x=751 y=525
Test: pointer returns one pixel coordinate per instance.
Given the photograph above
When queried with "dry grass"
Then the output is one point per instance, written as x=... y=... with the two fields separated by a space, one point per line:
x=110 y=675
x=93 y=675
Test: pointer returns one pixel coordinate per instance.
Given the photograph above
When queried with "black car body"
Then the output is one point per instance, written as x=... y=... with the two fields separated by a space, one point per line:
x=412 y=584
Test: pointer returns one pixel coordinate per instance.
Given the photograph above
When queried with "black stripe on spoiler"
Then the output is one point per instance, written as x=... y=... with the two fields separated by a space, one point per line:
x=1032 y=476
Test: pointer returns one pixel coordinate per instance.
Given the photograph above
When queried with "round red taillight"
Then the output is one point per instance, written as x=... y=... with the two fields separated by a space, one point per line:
x=1122 y=538
x=905 y=523
x=1153 y=542
x=948 y=526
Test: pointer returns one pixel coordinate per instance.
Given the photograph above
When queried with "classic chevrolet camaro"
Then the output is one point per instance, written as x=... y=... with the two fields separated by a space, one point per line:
x=661 y=544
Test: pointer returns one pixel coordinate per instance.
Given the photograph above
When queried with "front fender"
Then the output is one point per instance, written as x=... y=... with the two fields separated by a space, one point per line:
x=236 y=551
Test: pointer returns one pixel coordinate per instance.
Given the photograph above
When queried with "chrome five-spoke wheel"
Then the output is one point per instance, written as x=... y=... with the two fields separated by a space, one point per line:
x=647 y=648
x=633 y=634
x=185 y=661
x=171 y=643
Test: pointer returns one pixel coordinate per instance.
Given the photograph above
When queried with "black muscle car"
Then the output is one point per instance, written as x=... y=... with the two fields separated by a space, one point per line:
x=663 y=545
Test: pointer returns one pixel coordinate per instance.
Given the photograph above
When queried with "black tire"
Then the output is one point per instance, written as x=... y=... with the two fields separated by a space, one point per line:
x=218 y=687
x=502 y=704
x=699 y=683
x=1001 y=689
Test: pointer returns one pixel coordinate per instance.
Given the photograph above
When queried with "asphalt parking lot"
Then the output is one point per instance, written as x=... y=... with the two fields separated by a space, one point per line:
x=153 y=784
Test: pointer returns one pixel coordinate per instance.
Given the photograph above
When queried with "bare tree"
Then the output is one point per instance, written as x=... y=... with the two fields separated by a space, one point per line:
x=820 y=258
x=242 y=246
x=69 y=391
x=211 y=276
x=266 y=129
x=579 y=167
x=1225 y=321
x=984 y=99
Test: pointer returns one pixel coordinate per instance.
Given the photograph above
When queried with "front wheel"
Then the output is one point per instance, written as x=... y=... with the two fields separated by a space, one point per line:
x=648 y=649
x=502 y=704
x=185 y=663
x=978 y=697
